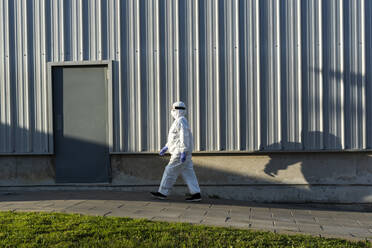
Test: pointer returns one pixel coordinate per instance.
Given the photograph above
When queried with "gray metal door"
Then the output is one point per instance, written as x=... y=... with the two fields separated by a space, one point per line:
x=80 y=124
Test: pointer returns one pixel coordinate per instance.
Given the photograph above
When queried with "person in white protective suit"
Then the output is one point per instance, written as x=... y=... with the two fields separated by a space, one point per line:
x=180 y=146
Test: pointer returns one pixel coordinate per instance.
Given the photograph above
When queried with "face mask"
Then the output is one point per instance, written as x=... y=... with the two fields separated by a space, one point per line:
x=174 y=113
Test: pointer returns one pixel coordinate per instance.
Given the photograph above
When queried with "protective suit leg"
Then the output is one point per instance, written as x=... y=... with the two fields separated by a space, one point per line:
x=171 y=172
x=188 y=175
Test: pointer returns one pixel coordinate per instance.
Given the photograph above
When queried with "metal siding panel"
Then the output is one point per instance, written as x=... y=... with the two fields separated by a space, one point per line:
x=126 y=60
x=152 y=74
x=213 y=84
x=67 y=30
x=115 y=54
x=231 y=77
x=368 y=52
x=22 y=133
x=91 y=29
x=12 y=74
x=223 y=85
x=271 y=79
x=196 y=77
x=137 y=69
x=191 y=64
x=209 y=76
x=2 y=79
x=133 y=76
x=112 y=49
x=46 y=123
x=98 y=29
x=58 y=50
x=169 y=73
x=255 y=74
x=236 y=76
x=80 y=34
x=94 y=30
x=5 y=93
x=157 y=143
x=291 y=75
x=148 y=80
x=250 y=75
x=355 y=76
x=333 y=75
x=74 y=44
x=3 y=128
x=312 y=76
x=37 y=58
x=29 y=71
x=37 y=76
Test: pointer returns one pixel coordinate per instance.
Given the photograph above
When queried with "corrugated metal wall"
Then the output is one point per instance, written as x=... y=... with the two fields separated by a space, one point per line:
x=255 y=74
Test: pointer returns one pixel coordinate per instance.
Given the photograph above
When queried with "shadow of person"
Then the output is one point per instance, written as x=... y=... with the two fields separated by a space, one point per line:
x=322 y=175
x=313 y=165
x=325 y=175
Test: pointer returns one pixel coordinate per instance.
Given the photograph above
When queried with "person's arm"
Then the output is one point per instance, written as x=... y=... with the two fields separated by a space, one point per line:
x=184 y=138
x=163 y=150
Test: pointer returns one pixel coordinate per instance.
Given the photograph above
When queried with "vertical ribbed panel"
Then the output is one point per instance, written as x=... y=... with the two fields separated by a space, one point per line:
x=255 y=74
x=190 y=60
x=21 y=76
x=76 y=30
x=250 y=74
x=355 y=75
x=231 y=80
x=291 y=74
x=114 y=53
x=131 y=80
x=131 y=77
x=312 y=75
x=210 y=79
x=271 y=75
x=368 y=47
x=333 y=74
x=6 y=138
x=95 y=32
x=39 y=79
x=57 y=32
x=151 y=78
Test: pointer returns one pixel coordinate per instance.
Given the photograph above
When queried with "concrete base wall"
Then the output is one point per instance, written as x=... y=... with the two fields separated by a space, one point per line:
x=280 y=177
x=27 y=170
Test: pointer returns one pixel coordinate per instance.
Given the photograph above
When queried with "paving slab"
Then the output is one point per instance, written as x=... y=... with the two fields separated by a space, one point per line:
x=320 y=220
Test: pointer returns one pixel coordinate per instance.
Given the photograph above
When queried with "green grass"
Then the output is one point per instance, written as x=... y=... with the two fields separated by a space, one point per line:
x=72 y=230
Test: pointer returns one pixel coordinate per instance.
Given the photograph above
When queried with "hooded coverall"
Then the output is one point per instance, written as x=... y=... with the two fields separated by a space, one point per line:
x=179 y=140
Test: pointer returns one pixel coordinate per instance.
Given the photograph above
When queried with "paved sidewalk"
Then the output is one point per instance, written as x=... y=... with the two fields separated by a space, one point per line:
x=323 y=220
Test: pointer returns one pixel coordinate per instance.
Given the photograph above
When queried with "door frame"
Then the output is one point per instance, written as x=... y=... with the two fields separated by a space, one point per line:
x=105 y=63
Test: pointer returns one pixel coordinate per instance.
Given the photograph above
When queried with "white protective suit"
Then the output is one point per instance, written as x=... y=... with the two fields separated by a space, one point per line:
x=179 y=140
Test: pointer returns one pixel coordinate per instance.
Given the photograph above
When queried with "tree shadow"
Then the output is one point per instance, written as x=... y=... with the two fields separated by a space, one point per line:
x=346 y=108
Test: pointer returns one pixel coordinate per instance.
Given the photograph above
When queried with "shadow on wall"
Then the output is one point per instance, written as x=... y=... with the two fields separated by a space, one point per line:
x=314 y=168
x=330 y=176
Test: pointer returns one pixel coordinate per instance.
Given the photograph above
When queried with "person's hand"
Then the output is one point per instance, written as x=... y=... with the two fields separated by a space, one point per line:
x=183 y=157
x=163 y=150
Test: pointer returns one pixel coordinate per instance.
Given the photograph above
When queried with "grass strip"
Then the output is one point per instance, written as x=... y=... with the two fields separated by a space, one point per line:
x=74 y=230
